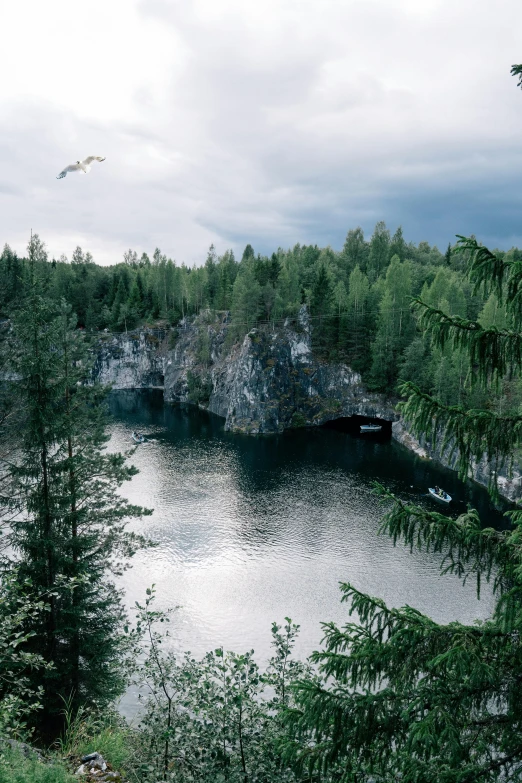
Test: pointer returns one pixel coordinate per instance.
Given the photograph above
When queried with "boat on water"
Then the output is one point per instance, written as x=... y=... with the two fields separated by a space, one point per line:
x=137 y=438
x=439 y=494
x=370 y=428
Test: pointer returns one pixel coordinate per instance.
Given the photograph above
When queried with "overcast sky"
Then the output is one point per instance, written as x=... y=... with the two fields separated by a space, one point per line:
x=274 y=122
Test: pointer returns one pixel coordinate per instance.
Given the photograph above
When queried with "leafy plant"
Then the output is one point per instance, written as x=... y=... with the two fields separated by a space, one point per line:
x=216 y=719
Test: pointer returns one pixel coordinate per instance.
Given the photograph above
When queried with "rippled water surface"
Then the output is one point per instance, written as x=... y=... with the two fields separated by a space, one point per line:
x=251 y=530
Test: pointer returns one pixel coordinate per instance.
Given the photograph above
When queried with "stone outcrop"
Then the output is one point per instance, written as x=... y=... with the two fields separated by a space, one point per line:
x=133 y=360
x=270 y=381
x=509 y=482
x=267 y=382
x=93 y=767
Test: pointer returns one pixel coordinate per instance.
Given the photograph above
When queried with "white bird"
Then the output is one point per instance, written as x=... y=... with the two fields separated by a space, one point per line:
x=80 y=165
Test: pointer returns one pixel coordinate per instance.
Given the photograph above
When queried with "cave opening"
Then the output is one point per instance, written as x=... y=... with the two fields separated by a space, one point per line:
x=353 y=424
x=158 y=381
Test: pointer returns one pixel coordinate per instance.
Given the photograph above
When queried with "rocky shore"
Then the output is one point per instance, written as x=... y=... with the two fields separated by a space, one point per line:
x=265 y=383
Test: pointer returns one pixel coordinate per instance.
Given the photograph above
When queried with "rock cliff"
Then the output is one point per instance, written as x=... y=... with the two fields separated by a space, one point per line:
x=133 y=360
x=267 y=382
x=509 y=482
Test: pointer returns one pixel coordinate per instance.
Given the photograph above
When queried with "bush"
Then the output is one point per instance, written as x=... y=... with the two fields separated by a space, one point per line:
x=199 y=388
x=217 y=719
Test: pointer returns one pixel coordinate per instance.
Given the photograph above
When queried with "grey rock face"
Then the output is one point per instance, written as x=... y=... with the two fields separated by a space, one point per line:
x=131 y=361
x=509 y=483
x=271 y=381
x=267 y=383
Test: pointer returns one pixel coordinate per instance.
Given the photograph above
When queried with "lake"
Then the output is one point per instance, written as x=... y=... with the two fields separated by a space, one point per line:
x=251 y=530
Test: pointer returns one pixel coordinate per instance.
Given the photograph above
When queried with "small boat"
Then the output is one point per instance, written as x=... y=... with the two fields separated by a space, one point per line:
x=137 y=438
x=370 y=428
x=439 y=494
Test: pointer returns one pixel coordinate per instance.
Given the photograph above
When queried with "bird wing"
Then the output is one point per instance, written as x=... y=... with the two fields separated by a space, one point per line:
x=72 y=167
x=90 y=159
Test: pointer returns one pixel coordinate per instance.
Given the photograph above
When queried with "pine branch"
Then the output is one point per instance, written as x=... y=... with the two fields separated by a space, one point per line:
x=466 y=547
x=516 y=70
x=493 y=275
x=494 y=352
x=467 y=435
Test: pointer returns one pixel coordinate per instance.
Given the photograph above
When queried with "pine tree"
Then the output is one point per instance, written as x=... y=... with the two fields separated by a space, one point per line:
x=322 y=311
x=68 y=522
x=406 y=698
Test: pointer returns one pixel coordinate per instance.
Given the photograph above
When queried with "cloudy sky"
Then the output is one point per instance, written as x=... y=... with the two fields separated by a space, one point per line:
x=274 y=122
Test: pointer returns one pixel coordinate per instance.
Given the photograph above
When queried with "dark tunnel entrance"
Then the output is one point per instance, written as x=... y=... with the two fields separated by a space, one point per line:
x=353 y=424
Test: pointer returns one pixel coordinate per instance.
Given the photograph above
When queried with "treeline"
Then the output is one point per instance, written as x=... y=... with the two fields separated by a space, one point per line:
x=391 y=695
x=358 y=298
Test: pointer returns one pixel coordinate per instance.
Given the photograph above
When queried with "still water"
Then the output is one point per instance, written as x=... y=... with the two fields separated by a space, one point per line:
x=251 y=530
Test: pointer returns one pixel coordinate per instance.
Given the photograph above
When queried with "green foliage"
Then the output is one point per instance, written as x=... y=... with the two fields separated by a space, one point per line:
x=17 y=768
x=298 y=420
x=20 y=694
x=395 y=328
x=67 y=521
x=199 y=388
x=106 y=731
x=402 y=697
x=259 y=289
x=217 y=719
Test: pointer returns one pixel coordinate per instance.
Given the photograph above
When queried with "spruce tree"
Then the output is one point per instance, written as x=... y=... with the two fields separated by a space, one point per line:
x=407 y=698
x=67 y=521
x=322 y=310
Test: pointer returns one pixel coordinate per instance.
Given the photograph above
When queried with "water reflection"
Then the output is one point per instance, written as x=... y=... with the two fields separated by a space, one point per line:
x=251 y=530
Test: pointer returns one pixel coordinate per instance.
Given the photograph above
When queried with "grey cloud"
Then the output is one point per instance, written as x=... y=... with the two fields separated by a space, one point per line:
x=286 y=136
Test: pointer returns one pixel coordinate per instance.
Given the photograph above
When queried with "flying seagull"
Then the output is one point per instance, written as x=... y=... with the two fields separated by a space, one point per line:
x=80 y=165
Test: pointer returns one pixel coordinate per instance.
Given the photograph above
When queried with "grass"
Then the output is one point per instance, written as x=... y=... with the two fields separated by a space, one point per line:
x=106 y=734
x=15 y=768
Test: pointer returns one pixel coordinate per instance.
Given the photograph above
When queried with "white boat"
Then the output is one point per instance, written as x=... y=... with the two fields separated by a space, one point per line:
x=137 y=438
x=440 y=494
x=370 y=427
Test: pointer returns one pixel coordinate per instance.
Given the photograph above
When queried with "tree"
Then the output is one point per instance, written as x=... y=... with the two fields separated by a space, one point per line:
x=395 y=326
x=357 y=330
x=212 y=276
x=11 y=279
x=67 y=526
x=246 y=299
x=322 y=311
x=379 y=251
x=19 y=695
x=135 y=302
x=355 y=249
x=120 y=301
x=398 y=246
x=77 y=256
x=408 y=698
x=130 y=257
x=248 y=254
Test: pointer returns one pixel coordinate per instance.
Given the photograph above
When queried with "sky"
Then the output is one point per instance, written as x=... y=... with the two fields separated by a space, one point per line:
x=229 y=122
